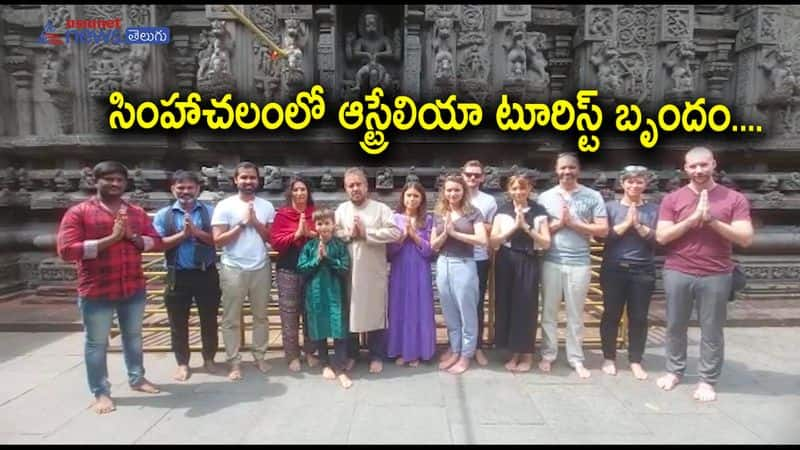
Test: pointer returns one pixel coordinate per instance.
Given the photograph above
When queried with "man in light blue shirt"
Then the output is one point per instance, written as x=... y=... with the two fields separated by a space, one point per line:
x=577 y=214
x=191 y=270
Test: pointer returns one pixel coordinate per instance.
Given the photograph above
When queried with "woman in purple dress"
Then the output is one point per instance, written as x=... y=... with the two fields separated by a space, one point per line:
x=412 y=330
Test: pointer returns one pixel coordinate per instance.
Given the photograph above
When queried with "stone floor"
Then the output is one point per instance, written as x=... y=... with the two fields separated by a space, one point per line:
x=44 y=399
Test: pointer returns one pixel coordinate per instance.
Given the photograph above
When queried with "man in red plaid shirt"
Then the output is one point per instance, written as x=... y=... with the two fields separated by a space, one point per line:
x=105 y=236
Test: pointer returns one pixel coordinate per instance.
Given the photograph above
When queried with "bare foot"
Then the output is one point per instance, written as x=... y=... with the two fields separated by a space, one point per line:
x=460 y=367
x=525 y=364
x=182 y=374
x=103 y=404
x=545 y=365
x=638 y=371
x=446 y=355
x=146 y=387
x=414 y=363
x=236 y=372
x=704 y=392
x=582 y=372
x=312 y=361
x=447 y=363
x=609 y=367
x=511 y=365
x=328 y=373
x=294 y=365
x=210 y=367
x=480 y=358
x=349 y=364
x=263 y=366
x=668 y=381
x=399 y=361
x=376 y=366
x=345 y=381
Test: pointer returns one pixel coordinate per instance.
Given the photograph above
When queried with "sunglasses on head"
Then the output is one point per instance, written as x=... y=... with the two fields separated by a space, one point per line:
x=635 y=169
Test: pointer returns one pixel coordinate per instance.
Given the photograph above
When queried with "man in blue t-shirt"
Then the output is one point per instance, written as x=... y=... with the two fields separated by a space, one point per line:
x=577 y=214
x=191 y=270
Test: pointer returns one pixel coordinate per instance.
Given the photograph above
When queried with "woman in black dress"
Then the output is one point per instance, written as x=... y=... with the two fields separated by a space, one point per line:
x=519 y=229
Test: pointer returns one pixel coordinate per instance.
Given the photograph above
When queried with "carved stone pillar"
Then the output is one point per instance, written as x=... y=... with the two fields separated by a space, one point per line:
x=182 y=60
x=412 y=56
x=718 y=70
x=473 y=64
x=756 y=40
x=559 y=64
x=103 y=67
x=675 y=76
x=440 y=65
x=326 y=50
x=19 y=64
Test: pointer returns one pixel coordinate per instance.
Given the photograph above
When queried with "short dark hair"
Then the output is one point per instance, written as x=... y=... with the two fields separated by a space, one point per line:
x=288 y=193
x=245 y=165
x=104 y=168
x=324 y=214
x=186 y=175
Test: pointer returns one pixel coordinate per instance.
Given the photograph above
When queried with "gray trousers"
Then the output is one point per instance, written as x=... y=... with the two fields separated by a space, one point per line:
x=572 y=284
x=709 y=295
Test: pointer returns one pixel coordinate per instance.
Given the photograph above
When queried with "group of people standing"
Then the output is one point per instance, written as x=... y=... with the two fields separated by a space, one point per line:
x=366 y=269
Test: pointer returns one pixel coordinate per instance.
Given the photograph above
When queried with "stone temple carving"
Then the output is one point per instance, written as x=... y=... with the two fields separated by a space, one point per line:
x=371 y=48
x=384 y=180
x=87 y=180
x=782 y=81
x=133 y=65
x=412 y=177
x=444 y=72
x=791 y=184
x=524 y=59
x=525 y=64
x=54 y=71
x=273 y=180
x=294 y=40
x=214 y=76
x=606 y=60
x=327 y=183
x=491 y=180
x=680 y=70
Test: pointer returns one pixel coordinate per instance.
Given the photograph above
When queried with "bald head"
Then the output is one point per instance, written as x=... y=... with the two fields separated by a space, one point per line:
x=699 y=164
x=699 y=153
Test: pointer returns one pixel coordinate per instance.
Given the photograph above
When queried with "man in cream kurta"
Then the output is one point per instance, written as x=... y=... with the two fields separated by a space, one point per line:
x=367 y=226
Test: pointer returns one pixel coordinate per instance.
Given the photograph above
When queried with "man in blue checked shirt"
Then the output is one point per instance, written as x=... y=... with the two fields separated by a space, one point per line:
x=191 y=270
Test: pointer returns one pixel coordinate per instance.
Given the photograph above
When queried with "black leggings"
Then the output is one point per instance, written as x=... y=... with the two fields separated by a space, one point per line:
x=630 y=289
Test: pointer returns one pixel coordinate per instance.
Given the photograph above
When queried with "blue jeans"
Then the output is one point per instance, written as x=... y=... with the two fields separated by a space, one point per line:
x=457 y=283
x=97 y=315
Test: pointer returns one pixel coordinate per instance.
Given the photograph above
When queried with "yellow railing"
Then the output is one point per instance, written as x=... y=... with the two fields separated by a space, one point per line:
x=156 y=325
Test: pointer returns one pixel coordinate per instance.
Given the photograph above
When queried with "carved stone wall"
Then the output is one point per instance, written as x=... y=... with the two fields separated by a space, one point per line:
x=53 y=124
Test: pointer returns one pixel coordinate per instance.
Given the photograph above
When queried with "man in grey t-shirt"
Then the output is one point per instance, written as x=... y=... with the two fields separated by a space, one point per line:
x=473 y=175
x=577 y=214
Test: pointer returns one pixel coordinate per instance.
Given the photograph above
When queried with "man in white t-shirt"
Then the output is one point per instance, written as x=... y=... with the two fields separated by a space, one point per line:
x=472 y=172
x=241 y=226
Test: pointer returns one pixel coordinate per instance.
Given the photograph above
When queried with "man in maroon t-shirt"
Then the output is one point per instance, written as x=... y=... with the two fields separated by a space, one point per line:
x=697 y=224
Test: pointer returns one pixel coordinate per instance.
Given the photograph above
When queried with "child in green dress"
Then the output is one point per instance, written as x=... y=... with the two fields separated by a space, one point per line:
x=324 y=263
